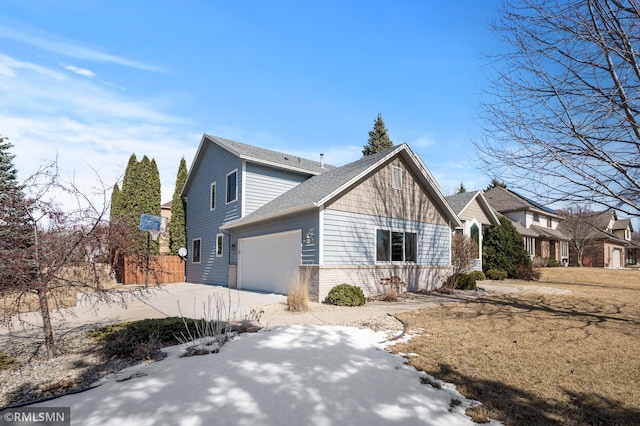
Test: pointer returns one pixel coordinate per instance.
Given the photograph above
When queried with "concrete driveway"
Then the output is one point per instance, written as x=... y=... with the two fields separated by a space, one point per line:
x=191 y=300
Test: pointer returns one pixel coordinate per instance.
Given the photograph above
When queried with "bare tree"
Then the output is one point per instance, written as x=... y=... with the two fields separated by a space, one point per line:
x=464 y=255
x=561 y=116
x=64 y=253
x=580 y=224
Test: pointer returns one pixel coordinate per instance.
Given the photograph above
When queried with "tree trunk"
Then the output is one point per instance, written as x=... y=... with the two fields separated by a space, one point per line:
x=46 y=323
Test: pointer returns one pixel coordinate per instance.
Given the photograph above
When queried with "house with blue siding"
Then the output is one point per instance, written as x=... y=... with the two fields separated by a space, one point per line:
x=258 y=219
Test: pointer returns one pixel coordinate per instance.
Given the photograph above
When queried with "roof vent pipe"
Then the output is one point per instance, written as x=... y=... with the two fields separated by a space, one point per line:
x=322 y=161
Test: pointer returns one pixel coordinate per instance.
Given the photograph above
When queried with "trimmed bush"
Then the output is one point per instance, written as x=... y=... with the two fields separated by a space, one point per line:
x=553 y=264
x=346 y=295
x=496 y=274
x=478 y=275
x=461 y=282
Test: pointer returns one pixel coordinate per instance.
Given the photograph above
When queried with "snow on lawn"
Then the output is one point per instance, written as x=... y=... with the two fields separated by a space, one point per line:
x=295 y=375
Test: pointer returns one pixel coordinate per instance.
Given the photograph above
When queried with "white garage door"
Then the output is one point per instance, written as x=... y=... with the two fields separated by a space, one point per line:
x=617 y=258
x=270 y=262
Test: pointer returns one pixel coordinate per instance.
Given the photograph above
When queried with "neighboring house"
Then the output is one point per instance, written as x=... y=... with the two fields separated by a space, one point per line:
x=258 y=219
x=163 y=239
x=475 y=213
x=536 y=224
x=611 y=245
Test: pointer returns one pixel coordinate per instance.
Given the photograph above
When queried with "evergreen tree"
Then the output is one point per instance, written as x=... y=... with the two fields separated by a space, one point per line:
x=461 y=189
x=16 y=226
x=495 y=183
x=115 y=211
x=378 y=138
x=177 y=225
x=503 y=249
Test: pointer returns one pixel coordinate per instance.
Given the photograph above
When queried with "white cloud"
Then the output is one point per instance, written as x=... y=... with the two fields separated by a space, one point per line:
x=80 y=71
x=69 y=48
x=423 y=141
x=91 y=129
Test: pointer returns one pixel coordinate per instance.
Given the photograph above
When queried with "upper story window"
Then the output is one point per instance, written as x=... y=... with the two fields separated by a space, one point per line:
x=536 y=217
x=212 y=203
x=396 y=178
x=549 y=223
x=232 y=186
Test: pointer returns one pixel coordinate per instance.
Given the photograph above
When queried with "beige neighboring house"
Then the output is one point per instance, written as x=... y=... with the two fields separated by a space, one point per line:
x=537 y=224
x=475 y=213
x=165 y=211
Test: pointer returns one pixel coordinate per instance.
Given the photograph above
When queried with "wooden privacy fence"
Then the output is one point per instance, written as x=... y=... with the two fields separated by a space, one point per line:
x=162 y=269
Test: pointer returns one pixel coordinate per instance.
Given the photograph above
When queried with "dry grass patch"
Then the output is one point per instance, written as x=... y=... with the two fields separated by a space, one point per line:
x=298 y=294
x=539 y=359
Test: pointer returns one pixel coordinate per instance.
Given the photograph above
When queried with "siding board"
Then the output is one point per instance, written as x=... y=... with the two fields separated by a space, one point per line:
x=263 y=184
x=204 y=223
x=349 y=238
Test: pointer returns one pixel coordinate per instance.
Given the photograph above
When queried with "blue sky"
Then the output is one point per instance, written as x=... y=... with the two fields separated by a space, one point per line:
x=93 y=81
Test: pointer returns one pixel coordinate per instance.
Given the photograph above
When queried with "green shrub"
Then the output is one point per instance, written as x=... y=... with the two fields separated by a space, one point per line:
x=461 y=281
x=346 y=295
x=502 y=248
x=553 y=263
x=496 y=274
x=478 y=275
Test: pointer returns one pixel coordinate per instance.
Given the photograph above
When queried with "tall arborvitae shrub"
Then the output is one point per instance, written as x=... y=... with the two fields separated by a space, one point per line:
x=177 y=225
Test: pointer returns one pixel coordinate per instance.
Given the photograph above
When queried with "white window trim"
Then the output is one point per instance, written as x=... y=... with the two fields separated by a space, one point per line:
x=226 y=192
x=192 y=251
x=394 y=182
x=219 y=245
x=390 y=261
x=212 y=200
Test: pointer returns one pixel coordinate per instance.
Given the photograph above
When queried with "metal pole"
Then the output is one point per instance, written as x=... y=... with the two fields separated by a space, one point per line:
x=146 y=273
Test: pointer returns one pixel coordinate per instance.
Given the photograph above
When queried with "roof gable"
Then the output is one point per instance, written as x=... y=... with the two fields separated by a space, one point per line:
x=460 y=202
x=257 y=155
x=323 y=188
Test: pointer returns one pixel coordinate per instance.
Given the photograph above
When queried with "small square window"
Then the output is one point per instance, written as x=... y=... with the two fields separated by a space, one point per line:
x=536 y=218
x=195 y=252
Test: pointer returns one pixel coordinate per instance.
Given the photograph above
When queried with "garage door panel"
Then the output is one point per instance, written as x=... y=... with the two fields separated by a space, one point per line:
x=269 y=263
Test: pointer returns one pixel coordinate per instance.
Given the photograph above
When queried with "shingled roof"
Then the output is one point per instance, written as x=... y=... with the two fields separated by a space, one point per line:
x=267 y=156
x=505 y=200
x=319 y=189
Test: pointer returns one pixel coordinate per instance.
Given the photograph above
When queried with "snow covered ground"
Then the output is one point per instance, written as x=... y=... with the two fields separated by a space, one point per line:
x=294 y=375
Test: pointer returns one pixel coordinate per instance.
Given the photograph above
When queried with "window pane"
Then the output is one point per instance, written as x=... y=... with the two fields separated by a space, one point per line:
x=231 y=187
x=219 y=241
x=397 y=246
x=410 y=246
x=213 y=196
x=195 y=253
x=382 y=246
x=396 y=178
